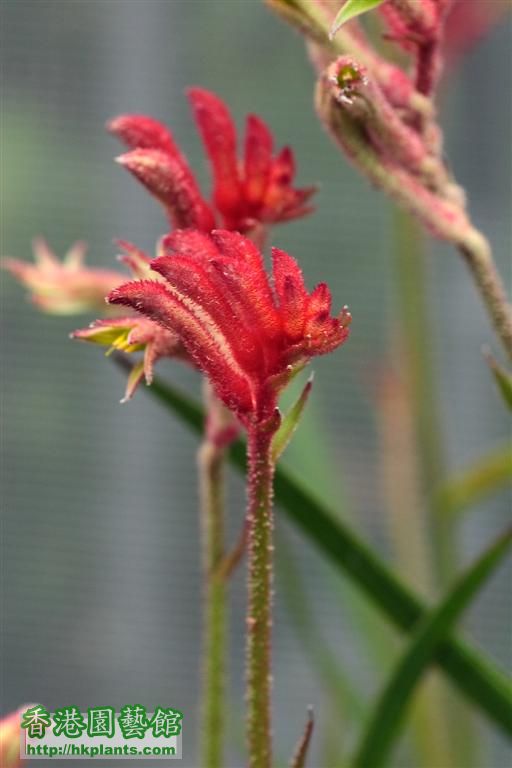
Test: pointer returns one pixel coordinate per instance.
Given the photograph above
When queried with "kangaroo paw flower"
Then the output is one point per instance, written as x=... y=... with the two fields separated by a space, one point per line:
x=246 y=334
x=248 y=193
x=64 y=287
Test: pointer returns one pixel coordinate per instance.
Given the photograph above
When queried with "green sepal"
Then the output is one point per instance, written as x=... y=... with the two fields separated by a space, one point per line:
x=290 y=422
x=134 y=377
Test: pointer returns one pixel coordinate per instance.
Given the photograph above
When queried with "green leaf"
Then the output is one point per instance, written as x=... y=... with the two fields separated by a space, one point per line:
x=390 y=709
x=349 y=10
x=475 y=676
x=290 y=422
x=484 y=477
x=503 y=379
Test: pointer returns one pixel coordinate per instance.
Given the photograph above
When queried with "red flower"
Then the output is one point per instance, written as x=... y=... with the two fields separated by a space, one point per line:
x=248 y=337
x=254 y=192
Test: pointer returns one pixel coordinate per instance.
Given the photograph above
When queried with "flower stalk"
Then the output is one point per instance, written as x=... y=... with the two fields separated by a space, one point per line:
x=260 y=526
x=477 y=254
x=249 y=335
x=219 y=431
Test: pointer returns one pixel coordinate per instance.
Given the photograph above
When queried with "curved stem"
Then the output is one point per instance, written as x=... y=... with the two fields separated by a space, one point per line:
x=478 y=256
x=259 y=619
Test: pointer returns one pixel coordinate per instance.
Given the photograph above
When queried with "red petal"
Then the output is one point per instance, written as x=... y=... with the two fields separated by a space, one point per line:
x=204 y=341
x=137 y=261
x=199 y=283
x=248 y=262
x=141 y=132
x=258 y=159
x=320 y=300
x=190 y=242
x=282 y=202
x=283 y=167
x=219 y=137
x=173 y=184
x=329 y=336
x=291 y=292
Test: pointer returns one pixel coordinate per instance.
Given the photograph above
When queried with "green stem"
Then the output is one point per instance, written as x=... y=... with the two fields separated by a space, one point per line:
x=211 y=464
x=475 y=675
x=416 y=331
x=259 y=618
x=412 y=283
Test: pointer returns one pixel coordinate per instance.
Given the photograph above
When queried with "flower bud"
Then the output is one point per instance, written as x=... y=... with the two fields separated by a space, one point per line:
x=387 y=150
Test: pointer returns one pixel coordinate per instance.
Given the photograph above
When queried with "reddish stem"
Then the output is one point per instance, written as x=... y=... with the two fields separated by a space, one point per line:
x=259 y=619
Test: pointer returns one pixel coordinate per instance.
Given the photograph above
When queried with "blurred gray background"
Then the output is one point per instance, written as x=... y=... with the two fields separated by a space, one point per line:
x=100 y=564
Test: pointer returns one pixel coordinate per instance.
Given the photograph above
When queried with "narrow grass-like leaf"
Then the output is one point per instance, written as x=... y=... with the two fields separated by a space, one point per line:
x=477 y=677
x=391 y=706
x=484 y=477
x=290 y=422
x=349 y=10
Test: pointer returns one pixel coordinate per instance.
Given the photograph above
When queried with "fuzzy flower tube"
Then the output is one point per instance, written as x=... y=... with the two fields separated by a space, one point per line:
x=249 y=337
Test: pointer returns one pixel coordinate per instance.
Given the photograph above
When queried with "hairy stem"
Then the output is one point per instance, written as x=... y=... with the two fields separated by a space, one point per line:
x=211 y=463
x=259 y=618
x=478 y=256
